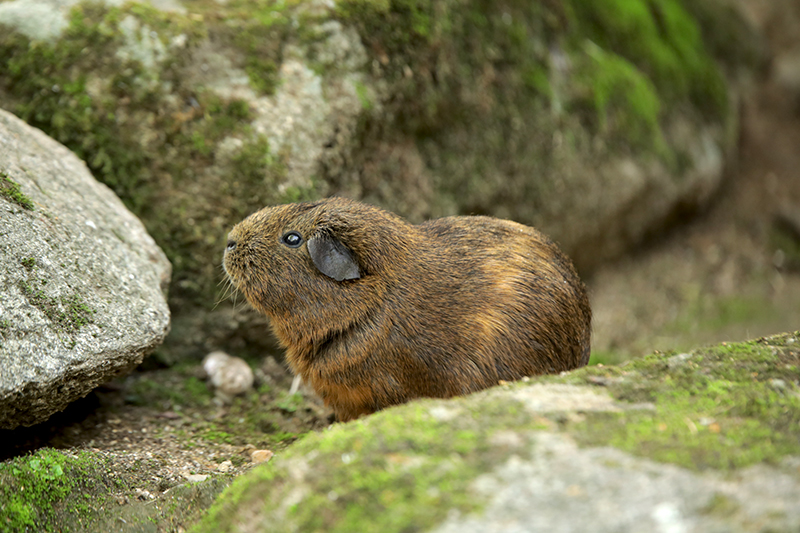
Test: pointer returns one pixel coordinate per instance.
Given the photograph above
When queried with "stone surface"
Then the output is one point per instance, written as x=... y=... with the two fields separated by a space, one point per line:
x=563 y=488
x=83 y=285
x=705 y=441
x=228 y=376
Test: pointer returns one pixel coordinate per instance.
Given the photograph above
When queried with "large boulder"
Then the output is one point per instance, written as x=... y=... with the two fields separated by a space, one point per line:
x=598 y=122
x=82 y=284
x=692 y=442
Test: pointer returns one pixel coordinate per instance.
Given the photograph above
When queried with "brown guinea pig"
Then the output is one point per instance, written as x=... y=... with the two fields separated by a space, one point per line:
x=374 y=311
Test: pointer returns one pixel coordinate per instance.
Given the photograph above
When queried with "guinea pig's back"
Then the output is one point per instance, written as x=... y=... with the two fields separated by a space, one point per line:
x=528 y=303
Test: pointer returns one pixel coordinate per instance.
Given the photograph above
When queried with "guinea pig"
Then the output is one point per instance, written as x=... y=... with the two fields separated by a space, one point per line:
x=374 y=311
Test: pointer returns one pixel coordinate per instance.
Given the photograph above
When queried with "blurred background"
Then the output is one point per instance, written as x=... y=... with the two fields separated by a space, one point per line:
x=731 y=271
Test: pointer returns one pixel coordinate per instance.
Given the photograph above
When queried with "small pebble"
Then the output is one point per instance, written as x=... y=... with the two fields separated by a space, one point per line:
x=195 y=478
x=228 y=375
x=778 y=384
x=225 y=466
x=261 y=456
x=143 y=494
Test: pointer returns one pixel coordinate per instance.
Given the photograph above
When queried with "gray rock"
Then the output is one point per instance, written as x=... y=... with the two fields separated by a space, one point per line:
x=564 y=488
x=662 y=448
x=83 y=284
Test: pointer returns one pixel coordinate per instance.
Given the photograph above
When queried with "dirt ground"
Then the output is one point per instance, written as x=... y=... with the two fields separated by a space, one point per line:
x=721 y=276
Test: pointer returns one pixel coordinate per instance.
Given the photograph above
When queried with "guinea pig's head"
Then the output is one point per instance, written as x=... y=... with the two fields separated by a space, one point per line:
x=308 y=255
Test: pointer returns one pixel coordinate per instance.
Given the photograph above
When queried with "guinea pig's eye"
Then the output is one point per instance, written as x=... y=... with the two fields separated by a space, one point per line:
x=292 y=239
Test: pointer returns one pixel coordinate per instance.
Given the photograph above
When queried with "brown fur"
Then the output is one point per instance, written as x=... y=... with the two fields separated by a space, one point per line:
x=440 y=309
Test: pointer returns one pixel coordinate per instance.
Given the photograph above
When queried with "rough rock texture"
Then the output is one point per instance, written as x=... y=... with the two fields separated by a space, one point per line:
x=598 y=122
x=83 y=285
x=562 y=488
x=693 y=442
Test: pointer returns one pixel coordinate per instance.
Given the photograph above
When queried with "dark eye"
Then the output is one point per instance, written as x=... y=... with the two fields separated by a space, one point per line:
x=292 y=239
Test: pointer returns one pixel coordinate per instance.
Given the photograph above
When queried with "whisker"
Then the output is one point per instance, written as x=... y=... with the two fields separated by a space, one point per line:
x=226 y=291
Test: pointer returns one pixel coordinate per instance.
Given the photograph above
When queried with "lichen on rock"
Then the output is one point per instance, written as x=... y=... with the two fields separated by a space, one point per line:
x=657 y=441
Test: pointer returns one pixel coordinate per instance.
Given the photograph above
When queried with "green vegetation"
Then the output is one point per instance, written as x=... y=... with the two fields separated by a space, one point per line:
x=631 y=59
x=70 y=313
x=664 y=43
x=626 y=103
x=361 y=487
x=149 y=134
x=721 y=407
x=29 y=263
x=289 y=402
x=10 y=190
x=182 y=390
x=43 y=491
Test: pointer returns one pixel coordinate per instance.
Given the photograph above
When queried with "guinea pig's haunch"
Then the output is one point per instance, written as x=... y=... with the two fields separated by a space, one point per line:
x=374 y=311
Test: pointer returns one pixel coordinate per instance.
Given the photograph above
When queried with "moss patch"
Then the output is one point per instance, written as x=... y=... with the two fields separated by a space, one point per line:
x=381 y=473
x=49 y=490
x=626 y=104
x=10 y=190
x=69 y=313
x=29 y=263
x=721 y=407
x=495 y=93
x=115 y=90
x=663 y=41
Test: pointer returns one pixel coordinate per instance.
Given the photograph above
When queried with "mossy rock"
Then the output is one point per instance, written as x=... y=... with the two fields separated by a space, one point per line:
x=551 y=113
x=57 y=490
x=628 y=448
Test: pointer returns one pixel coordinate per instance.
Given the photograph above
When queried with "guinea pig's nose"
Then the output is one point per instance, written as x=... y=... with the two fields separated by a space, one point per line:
x=231 y=246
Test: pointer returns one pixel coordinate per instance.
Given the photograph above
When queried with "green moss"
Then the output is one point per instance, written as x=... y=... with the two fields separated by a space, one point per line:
x=39 y=492
x=218 y=436
x=69 y=313
x=721 y=505
x=607 y=358
x=626 y=103
x=363 y=96
x=663 y=41
x=723 y=407
x=730 y=37
x=405 y=468
x=289 y=402
x=149 y=135
x=390 y=479
x=11 y=191
x=29 y=263
x=412 y=19
x=254 y=418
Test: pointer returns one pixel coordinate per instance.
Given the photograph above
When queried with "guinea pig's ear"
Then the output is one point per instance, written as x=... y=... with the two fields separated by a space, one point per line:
x=332 y=258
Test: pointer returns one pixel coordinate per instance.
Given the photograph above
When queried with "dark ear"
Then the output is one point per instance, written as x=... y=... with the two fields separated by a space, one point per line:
x=332 y=258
